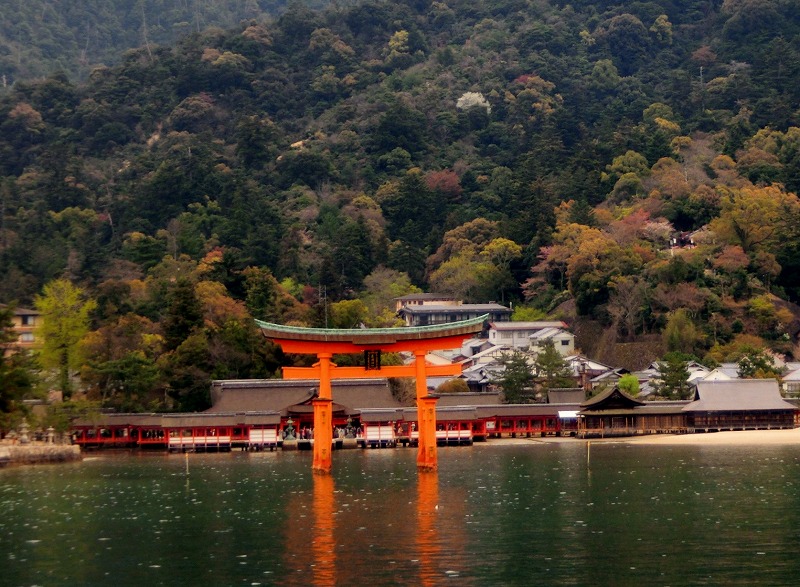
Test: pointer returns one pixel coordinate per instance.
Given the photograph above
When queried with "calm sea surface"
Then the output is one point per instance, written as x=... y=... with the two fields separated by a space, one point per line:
x=494 y=514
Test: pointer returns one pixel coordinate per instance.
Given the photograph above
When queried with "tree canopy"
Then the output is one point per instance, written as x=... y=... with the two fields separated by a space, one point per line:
x=65 y=319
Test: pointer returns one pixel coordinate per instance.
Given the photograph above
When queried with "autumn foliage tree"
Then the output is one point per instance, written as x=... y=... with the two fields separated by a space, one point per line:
x=66 y=314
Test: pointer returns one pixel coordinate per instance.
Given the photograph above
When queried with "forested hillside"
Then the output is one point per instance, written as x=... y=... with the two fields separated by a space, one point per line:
x=40 y=37
x=631 y=162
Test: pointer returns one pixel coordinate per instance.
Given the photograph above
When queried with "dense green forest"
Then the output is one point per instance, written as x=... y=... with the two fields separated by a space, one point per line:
x=41 y=37
x=633 y=163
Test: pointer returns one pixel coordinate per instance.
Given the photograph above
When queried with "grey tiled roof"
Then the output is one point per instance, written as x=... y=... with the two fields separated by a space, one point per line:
x=566 y=396
x=468 y=399
x=280 y=394
x=738 y=395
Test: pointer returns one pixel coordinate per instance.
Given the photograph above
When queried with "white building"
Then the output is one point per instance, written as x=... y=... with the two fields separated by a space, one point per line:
x=533 y=335
x=562 y=340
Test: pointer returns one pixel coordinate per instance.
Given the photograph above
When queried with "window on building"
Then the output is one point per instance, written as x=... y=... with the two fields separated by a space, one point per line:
x=26 y=337
x=28 y=320
x=564 y=343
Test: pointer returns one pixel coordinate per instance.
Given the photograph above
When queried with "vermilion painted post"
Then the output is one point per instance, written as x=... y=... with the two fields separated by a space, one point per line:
x=426 y=417
x=325 y=375
x=427 y=458
x=323 y=416
x=323 y=435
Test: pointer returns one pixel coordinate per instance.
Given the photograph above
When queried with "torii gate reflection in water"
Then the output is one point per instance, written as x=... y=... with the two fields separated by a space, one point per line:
x=324 y=343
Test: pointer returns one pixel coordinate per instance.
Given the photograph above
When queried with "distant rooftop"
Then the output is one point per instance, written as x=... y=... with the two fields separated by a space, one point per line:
x=547 y=333
x=424 y=296
x=432 y=308
x=22 y=311
x=528 y=325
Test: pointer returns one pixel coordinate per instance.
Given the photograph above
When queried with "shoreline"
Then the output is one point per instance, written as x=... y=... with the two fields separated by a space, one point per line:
x=41 y=453
x=724 y=438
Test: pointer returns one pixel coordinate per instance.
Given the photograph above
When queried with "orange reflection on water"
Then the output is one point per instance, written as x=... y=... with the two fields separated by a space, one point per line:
x=428 y=543
x=322 y=538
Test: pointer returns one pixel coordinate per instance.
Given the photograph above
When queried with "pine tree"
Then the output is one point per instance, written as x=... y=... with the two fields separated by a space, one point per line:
x=551 y=369
x=516 y=377
x=15 y=375
x=673 y=376
x=184 y=314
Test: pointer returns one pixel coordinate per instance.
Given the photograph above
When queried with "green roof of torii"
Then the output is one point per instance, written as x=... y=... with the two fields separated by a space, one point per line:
x=372 y=335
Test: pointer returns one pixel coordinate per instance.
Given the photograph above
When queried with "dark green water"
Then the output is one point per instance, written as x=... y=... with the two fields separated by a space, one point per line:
x=494 y=514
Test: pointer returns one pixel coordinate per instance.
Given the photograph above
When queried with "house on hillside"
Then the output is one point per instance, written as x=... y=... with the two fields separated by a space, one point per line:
x=585 y=369
x=532 y=334
x=562 y=340
x=428 y=314
x=479 y=379
x=24 y=322
x=725 y=372
x=790 y=382
x=423 y=299
x=490 y=357
x=473 y=346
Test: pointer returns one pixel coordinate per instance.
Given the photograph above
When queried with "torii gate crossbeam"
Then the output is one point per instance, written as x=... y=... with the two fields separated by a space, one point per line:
x=324 y=343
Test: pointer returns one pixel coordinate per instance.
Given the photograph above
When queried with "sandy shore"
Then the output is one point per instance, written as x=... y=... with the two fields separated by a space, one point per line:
x=727 y=438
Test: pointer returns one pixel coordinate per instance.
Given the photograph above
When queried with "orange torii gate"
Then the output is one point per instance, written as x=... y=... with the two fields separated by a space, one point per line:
x=324 y=343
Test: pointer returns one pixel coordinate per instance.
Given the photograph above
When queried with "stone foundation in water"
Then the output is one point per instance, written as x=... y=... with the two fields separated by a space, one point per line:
x=38 y=453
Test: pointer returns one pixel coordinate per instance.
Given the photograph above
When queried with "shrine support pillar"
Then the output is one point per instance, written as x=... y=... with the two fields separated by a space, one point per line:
x=323 y=417
x=426 y=418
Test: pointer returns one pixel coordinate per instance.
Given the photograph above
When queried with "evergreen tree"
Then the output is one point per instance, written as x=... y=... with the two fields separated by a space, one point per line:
x=16 y=376
x=184 y=313
x=187 y=370
x=755 y=363
x=673 y=376
x=515 y=378
x=581 y=213
x=552 y=370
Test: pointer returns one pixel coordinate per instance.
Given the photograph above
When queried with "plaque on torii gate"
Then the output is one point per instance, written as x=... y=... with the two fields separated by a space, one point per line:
x=324 y=343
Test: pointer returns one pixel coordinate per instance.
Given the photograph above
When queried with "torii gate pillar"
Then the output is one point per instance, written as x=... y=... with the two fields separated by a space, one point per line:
x=427 y=457
x=323 y=418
